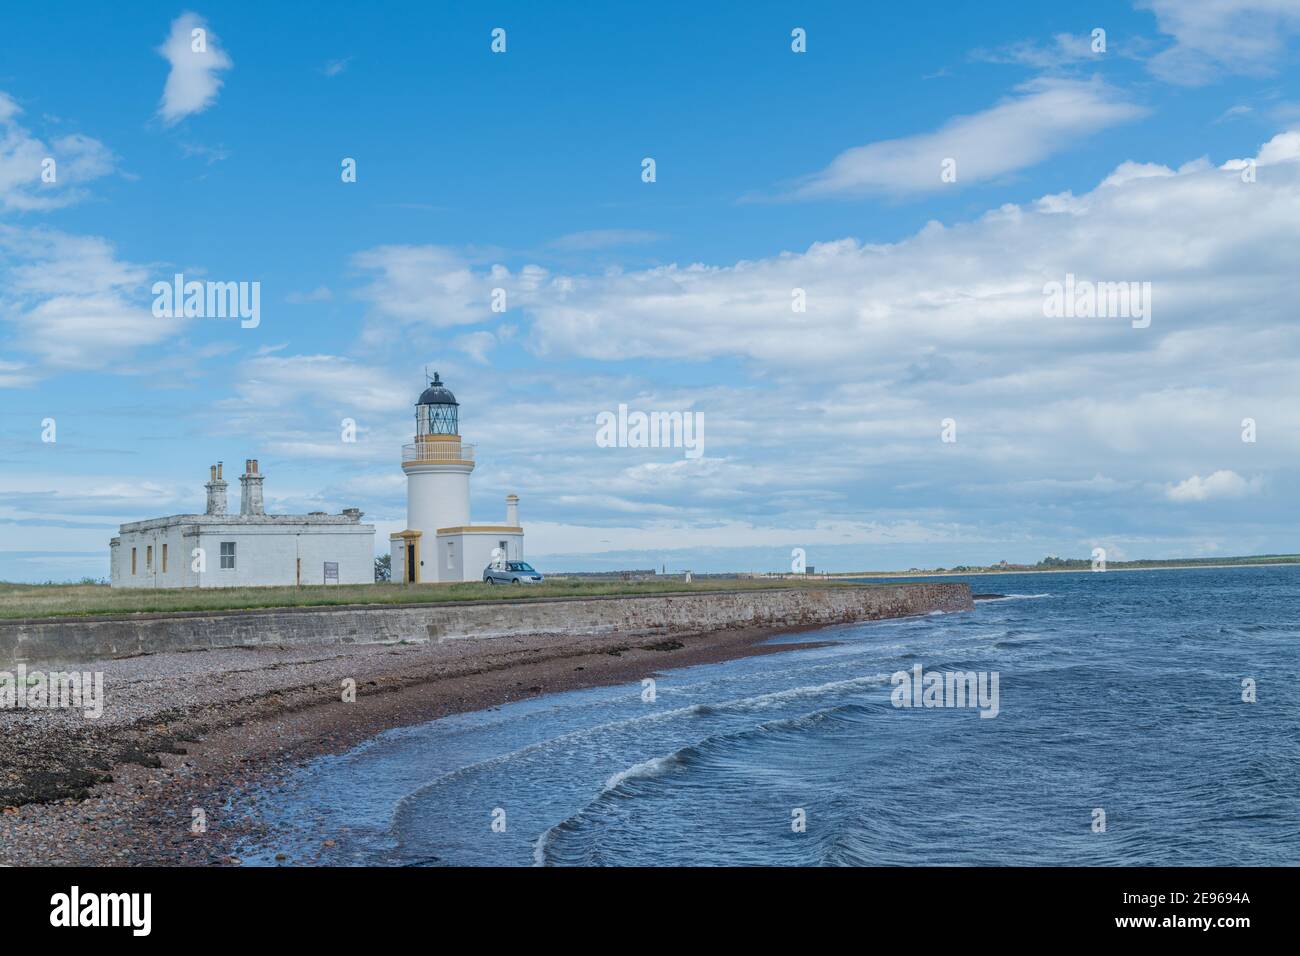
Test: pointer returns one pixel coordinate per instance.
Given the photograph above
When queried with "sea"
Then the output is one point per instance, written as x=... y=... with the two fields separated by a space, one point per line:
x=1142 y=718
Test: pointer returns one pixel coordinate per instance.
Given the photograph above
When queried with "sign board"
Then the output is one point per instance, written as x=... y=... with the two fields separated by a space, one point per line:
x=331 y=572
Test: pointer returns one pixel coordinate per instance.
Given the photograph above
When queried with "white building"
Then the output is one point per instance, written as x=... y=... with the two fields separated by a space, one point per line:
x=252 y=548
x=439 y=543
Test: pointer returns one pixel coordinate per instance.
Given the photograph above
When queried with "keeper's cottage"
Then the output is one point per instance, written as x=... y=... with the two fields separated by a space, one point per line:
x=249 y=549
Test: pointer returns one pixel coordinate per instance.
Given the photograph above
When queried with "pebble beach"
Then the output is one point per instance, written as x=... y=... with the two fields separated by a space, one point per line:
x=185 y=735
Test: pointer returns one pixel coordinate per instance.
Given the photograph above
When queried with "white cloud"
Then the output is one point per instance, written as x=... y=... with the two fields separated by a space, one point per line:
x=210 y=154
x=15 y=375
x=1127 y=172
x=319 y=294
x=592 y=239
x=1045 y=117
x=1221 y=484
x=425 y=285
x=194 y=80
x=78 y=159
x=1064 y=49
x=312 y=382
x=88 y=331
x=1215 y=36
x=546 y=538
x=1239 y=110
x=476 y=345
x=1283 y=148
x=296 y=405
x=72 y=303
x=961 y=290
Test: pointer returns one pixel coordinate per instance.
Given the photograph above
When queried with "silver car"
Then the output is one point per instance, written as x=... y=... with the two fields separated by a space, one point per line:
x=512 y=572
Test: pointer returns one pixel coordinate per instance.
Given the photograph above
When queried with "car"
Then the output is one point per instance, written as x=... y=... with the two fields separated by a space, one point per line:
x=512 y=572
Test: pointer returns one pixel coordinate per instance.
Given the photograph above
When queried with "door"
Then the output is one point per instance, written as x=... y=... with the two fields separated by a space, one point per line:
x=410 y=564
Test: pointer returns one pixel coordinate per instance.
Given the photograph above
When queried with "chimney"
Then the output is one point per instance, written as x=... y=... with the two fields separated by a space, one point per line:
x=216 y=491
x=512 y=510
x=250 y=499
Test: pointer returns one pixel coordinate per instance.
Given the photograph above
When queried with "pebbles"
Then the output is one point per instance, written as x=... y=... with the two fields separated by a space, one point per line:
x=185 y=734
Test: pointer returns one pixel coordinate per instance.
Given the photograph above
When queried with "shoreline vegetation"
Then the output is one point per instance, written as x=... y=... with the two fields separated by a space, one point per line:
x=36 y=601
x=90 y=599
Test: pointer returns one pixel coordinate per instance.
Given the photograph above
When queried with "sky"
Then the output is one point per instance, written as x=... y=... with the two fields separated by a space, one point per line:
x=840 y=266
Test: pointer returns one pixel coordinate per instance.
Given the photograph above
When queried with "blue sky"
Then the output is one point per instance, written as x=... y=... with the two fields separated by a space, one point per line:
x=775 y=170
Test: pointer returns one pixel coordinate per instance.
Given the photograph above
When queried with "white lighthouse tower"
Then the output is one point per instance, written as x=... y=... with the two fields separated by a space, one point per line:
x=439 y=543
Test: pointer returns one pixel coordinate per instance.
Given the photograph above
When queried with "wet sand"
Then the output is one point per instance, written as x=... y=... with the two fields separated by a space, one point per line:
x=190 y=731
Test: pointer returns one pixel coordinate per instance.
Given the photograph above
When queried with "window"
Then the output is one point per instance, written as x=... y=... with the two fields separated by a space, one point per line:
x=227 y=556
x=133 y=560
x=164 y=559
x=148 y=558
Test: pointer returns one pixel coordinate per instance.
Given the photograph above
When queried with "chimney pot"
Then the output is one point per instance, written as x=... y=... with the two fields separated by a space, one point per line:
x=216 y=491
x=250 y=498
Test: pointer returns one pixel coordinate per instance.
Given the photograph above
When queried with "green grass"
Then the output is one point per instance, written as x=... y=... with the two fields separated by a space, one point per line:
x=79 y=600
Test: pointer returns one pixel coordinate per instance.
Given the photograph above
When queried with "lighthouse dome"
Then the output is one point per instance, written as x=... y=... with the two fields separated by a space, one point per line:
x=437 y=394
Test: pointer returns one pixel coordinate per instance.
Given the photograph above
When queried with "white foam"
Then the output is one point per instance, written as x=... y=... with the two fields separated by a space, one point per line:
x=646 y=768
x=798 y=693
x=539 y=847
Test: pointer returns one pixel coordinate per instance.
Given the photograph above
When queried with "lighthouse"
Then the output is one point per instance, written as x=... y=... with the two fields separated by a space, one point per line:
x=438 y=464
x=440 y=543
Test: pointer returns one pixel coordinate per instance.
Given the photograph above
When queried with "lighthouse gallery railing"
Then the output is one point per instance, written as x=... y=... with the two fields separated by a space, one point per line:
x=438 y=451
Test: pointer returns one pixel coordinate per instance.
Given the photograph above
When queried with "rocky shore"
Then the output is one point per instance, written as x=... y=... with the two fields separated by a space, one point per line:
x=184 y=733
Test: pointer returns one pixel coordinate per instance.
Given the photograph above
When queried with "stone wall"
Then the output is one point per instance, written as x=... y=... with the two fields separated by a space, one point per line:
x=69 y=640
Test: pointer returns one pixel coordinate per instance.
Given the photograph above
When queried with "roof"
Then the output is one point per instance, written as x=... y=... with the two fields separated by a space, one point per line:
x=339 y=522
x=437 y=394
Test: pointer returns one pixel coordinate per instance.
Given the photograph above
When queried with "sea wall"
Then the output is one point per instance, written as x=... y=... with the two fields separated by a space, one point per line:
x=83 y=639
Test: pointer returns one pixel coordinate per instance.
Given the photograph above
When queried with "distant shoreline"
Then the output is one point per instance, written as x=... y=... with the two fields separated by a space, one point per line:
x=876 y=575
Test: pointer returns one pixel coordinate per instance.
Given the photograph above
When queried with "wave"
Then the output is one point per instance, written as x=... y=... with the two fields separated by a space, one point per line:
x=742 y=705
x=646 y=768
x=689 y=756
